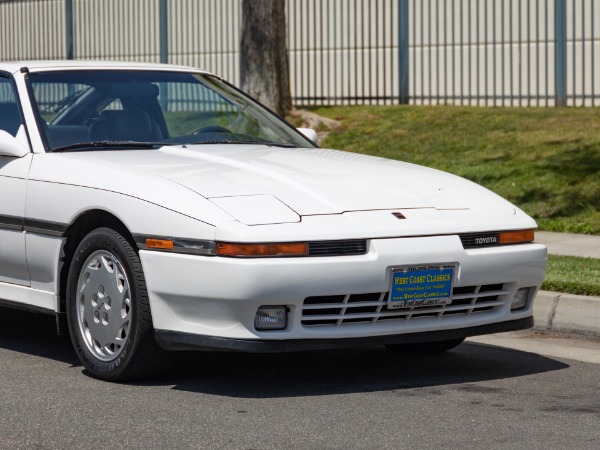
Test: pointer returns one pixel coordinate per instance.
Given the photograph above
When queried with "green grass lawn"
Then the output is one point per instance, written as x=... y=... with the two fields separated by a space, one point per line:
x=574 y=275
x=545 y=160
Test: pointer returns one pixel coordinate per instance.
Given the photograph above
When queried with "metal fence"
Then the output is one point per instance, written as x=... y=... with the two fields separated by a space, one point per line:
x=505 y=52
x=343 y=51
x=473 y=52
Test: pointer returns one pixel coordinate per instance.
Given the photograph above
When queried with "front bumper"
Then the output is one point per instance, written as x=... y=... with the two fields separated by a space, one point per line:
x=176 y=341
x=211 y=302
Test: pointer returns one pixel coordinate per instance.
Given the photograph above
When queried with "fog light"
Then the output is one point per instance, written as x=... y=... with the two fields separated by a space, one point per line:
x=270 y=318
x=520 y=300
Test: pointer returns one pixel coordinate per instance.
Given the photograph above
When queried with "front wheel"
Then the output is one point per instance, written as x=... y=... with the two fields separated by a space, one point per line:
x=426 y=347
x=108 y=312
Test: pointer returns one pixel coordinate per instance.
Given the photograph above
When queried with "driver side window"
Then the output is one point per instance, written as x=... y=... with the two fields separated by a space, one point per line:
x=10 y=117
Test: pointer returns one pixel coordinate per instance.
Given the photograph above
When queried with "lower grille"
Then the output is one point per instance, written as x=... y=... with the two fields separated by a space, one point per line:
x=372 y=308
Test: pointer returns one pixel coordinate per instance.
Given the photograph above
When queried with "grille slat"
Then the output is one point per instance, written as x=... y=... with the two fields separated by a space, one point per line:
x=339 y=305
x=337 y=248
x=479 y=295
x=338 y=310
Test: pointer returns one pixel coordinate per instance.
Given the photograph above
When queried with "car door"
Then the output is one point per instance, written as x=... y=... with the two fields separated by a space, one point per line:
x=13 y=174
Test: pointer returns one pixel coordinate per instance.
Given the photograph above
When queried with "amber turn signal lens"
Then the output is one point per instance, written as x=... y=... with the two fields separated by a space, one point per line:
x=281 y=249
x=516 y=237
x=163 y=244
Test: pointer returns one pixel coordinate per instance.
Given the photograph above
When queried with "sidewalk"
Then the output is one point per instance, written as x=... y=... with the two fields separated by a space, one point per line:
x=569 y=244
x=568 y=313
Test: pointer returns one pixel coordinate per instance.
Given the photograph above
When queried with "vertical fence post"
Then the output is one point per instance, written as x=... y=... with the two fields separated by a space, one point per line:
x=69 y=27
x=403 y=94
x=560 y=62
x=163 y=30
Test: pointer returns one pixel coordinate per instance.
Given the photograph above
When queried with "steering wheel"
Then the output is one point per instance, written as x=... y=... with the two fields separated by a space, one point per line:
x=212 y=129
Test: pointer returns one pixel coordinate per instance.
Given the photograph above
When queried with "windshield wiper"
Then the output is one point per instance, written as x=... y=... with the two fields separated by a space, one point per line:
x=247 y=141
x=153 y=145
x=107 y=144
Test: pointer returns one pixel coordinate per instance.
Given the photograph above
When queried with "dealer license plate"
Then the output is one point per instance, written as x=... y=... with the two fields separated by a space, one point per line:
x=424 y=285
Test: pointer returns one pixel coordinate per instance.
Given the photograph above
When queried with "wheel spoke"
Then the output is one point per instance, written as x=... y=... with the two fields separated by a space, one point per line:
x=104 y=305
x=88 y=290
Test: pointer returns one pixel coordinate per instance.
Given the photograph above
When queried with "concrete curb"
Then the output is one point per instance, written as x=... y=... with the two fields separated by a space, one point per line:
x=567 y=313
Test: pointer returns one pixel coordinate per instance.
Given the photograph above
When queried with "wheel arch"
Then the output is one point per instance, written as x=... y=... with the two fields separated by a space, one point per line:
x=76 y=231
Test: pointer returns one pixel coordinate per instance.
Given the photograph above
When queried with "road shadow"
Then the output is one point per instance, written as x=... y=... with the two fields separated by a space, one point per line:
x=348 y=371
x=34 y=334
x=316 y=373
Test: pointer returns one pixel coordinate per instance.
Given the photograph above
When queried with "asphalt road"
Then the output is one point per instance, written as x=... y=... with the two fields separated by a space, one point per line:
x=477 y=396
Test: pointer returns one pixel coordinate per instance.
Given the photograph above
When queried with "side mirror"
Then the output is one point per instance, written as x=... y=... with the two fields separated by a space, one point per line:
x=309 y=133
x=10 y=146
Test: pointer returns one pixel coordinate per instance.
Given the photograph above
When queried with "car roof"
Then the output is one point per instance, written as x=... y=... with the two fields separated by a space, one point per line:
x=52 y=65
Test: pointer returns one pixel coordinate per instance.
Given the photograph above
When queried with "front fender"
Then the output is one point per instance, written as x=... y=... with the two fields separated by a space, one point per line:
x=48 y=219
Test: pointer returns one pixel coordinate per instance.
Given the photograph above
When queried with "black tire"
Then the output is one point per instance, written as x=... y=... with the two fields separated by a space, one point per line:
x=131 y=352
x=422 y=348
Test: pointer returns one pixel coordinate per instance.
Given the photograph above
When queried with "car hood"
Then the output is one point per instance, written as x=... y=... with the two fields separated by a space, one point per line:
x=307 y=181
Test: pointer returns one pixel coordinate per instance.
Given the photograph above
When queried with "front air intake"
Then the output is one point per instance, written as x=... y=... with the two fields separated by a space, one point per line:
x=337 y=248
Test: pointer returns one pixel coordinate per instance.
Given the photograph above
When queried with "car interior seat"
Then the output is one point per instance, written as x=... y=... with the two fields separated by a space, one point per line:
x=124 y=125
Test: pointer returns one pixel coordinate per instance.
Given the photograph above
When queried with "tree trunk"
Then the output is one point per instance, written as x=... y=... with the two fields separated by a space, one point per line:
x=264 y=69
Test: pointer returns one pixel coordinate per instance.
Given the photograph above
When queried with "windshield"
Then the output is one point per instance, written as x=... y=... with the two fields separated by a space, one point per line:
x=107 y=109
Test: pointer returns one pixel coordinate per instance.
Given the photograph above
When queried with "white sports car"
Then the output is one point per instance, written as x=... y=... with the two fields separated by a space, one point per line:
x=153 y=207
